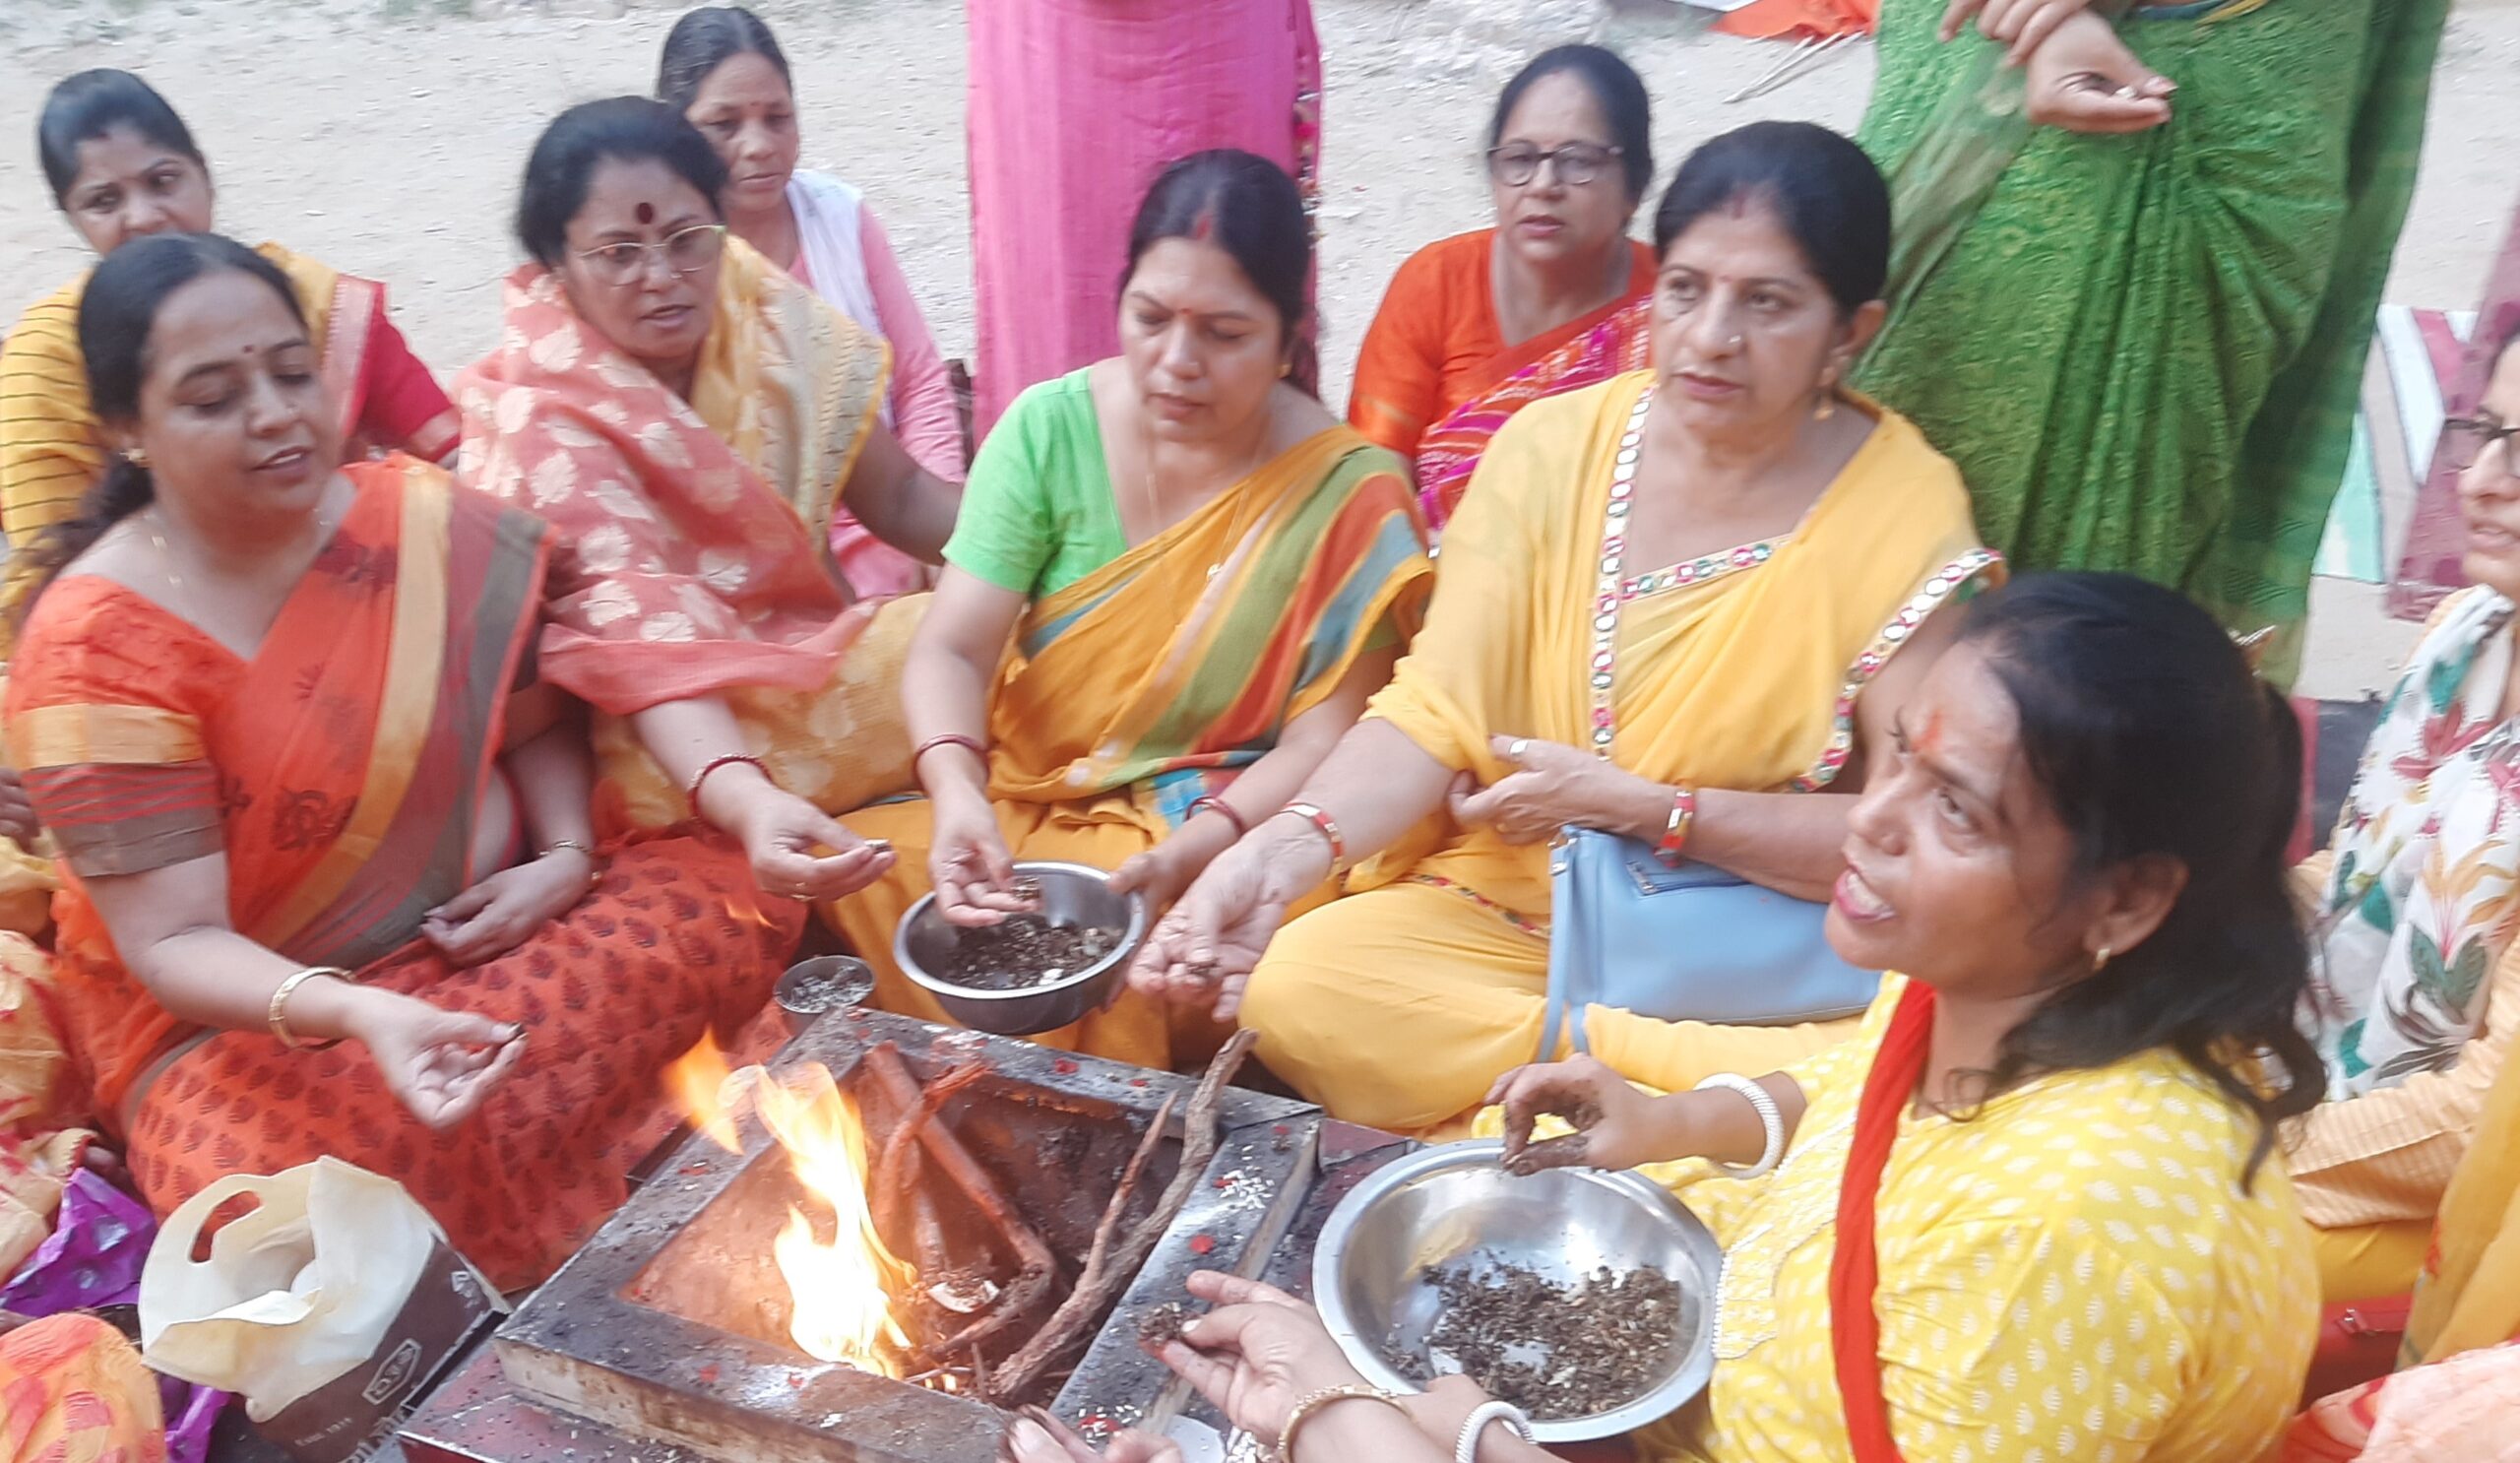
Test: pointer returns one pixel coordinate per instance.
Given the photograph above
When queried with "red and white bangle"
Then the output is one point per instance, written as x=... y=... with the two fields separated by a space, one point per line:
x=1676 y=829
x=1222 y=809
x=1328 y=827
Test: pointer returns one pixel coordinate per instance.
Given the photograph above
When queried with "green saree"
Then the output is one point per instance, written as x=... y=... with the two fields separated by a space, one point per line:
x=2144 y=352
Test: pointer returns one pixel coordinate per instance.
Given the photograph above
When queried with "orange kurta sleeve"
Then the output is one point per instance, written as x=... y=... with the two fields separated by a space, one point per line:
x=1437 y=307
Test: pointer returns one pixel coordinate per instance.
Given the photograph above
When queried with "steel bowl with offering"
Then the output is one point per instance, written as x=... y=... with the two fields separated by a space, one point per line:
x=1035 y=971
x=1585 y=1297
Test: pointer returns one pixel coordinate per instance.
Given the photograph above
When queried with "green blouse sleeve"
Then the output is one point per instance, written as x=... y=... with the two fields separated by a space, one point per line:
x=1004 y=533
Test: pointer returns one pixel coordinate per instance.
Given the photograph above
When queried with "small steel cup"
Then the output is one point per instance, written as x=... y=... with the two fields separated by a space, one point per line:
x=814 y=988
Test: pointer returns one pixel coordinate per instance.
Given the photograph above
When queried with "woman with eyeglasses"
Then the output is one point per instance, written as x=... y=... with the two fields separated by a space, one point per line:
x=2416 y=994
x=123 y=166
x=1671 y=606
x=688 y=417
x=723 y=68
x=1477 y=325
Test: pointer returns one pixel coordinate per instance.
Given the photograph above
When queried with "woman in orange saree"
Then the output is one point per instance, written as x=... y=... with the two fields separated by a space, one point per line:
x=289 y=798
x=1451 y=449
x=1569 y=153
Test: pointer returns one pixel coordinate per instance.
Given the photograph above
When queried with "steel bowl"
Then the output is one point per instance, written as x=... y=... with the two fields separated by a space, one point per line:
x=814 y=988
x=1072 y=894
x=1371 y=1269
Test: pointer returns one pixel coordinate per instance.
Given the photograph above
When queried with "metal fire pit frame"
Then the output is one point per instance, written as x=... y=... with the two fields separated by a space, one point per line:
x=580 y=1342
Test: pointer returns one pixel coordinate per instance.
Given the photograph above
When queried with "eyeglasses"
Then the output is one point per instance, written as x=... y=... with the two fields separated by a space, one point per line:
x=2471 y=439
x=1577 y=162
x=685 y=251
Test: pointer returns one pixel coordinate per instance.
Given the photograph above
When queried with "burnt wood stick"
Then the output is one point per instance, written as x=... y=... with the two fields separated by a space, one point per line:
x=1035 y=1266
x=1070 y=1324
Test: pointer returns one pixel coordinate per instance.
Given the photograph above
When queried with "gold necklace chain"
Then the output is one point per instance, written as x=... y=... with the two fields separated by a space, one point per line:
x=154 y=522
x=1146 y=471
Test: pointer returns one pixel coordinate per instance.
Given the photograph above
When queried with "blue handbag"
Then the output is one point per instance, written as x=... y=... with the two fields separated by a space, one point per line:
x=1683 y=941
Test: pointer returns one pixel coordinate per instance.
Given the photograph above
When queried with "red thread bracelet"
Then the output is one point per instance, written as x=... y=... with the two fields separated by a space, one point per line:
x=969 y=745
x=692 y=794
x=1222 y=809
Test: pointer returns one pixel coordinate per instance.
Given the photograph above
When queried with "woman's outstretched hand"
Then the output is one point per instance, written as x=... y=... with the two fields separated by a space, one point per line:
x=2084 y=79
x=1161 y=873
x=1205 y=948
x=1612 y=1120
x=1256 y=1354
x=781 y=832
x=441 y=1065
x=968 y=864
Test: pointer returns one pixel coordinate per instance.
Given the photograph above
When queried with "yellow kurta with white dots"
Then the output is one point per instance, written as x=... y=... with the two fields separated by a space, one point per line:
x=2072 y=1275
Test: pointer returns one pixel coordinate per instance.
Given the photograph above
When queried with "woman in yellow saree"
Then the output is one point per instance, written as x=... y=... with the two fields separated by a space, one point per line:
x=1713 y=704
x=1203 y=576
x=687 y=416
x=123 y=166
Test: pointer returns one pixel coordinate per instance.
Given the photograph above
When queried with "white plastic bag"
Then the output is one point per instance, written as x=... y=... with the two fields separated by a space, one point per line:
x=293 y=1295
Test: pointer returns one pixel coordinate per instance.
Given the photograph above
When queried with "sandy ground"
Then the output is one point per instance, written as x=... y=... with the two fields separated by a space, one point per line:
x=385 y=137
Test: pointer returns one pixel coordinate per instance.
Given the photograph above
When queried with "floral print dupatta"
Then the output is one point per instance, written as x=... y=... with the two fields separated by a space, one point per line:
x=2426 y=891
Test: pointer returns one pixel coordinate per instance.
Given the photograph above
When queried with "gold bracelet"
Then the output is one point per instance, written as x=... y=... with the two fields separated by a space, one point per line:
x=1313 y=1402
x=557 y=844
x=278 y=1019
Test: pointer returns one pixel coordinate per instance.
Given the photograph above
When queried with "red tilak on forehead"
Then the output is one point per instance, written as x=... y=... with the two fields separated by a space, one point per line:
x=1930 y=739
x=647 y=213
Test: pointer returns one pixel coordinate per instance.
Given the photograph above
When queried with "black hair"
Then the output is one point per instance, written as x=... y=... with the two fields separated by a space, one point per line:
x=1246 y=205
x=1823 y=188
x=624 y=129
x=705 y=39
x=1616 y=90
x=117 y=311
x=2145 y=729
x=85 y=107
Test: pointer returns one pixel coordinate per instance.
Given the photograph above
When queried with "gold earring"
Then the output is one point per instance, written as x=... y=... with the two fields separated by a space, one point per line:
x=1285 y=368
x=2100 y=962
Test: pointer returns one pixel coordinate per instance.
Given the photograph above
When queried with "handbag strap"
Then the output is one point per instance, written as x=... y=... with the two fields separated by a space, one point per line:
x=1568 y=987
x=1611 y=592
x=1565 y=1001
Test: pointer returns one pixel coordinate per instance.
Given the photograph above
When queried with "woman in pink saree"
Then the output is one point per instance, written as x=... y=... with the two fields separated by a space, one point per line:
x=1075 y=105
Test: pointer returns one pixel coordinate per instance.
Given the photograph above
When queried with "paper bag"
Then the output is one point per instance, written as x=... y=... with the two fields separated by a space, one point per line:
x=328 y=1307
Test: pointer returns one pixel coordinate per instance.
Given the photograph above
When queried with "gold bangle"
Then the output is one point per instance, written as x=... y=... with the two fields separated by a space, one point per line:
x=279 y=1018
x=557 y=844
x=1313 y=1402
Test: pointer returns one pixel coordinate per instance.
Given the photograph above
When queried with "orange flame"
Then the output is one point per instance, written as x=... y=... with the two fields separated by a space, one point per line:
x=698 y=1081
x=843 y=1288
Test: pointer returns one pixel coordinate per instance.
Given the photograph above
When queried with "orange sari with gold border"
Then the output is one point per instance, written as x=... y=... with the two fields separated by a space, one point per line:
x=338 y=772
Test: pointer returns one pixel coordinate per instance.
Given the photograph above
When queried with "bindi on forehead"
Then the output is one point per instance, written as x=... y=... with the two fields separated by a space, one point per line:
x=1929 y=739
x=645 y=213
